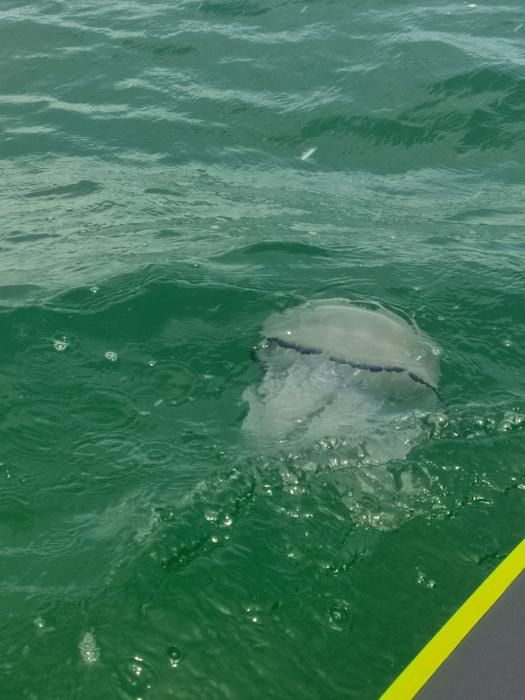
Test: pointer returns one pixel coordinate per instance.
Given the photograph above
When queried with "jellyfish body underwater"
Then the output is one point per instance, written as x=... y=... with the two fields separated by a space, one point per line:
x=342 y=370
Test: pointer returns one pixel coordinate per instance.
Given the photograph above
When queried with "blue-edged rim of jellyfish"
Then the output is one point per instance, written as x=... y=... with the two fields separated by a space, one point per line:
x=305 y=350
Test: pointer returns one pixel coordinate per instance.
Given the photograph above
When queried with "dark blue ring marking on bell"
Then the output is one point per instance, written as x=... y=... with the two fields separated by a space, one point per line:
x=305 y=350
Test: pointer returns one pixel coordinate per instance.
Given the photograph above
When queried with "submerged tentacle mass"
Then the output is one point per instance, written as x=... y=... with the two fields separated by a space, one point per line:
x=338 y=369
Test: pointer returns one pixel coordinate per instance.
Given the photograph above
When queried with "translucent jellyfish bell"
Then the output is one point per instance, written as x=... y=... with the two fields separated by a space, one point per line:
x=338 y=369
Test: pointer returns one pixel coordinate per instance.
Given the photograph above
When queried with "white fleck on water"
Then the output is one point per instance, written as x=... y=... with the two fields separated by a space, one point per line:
x=308 y=153
x=111 y=356
x=89 y=650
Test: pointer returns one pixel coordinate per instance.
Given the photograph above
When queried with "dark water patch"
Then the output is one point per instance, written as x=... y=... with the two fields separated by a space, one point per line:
x=78 y=189
x=485 y=80
x=146 y=301
x=104 y=293
x=17 y=292
x=163 y=191
x=168 y=233
x=493 y=122
x=378 y=130
x=270 y=249
x=21 y=237
x=237 y=8
x=491 y=217
x=160 y=48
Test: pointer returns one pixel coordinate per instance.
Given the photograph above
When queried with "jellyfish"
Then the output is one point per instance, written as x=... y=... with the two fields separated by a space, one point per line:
x=353 y=372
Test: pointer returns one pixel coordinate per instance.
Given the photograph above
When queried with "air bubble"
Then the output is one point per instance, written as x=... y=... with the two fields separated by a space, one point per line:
x=510 y=420
x=60 y=344
x=136 y=677
x=311 y=467
x=479 y=422
x=436 y=421
x=175 y=656
x=227 y=521
x=338 y=615
x=423 y=580
x=253 y=613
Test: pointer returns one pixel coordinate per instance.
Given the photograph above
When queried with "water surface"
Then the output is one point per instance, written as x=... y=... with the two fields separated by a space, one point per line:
x=172 y=174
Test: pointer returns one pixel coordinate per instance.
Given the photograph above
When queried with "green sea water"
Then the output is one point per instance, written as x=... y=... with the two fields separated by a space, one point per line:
x=172 y=173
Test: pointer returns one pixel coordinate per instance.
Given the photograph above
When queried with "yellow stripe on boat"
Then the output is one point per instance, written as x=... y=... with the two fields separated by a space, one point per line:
x=442 y=646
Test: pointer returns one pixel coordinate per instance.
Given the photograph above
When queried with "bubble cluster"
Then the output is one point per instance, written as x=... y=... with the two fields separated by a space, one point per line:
x=338 y=615
x=89 y=650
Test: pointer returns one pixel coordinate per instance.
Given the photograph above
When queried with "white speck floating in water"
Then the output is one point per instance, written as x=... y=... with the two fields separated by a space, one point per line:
x=111 y=356
x=308 y=153
x=89 y=650
x=507 y=343
x=94 y=290
x=152 y=363
x=60 y=344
